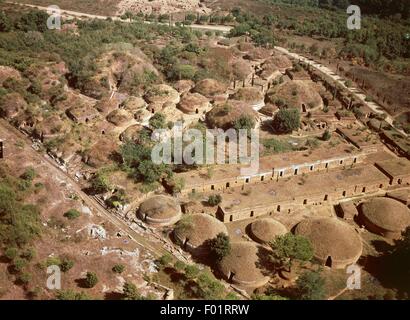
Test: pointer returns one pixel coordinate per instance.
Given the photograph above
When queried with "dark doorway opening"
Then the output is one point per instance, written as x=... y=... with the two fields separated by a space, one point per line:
x=329 y=262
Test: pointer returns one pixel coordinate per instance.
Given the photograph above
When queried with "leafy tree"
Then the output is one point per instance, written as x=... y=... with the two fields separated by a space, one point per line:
x=326 y=135
x=286 y=120
x=28 y=254
x=164 y=260
x=193 y=47
x=265 y=38
x=244 y=122
x=220 y=246
x=5 y=23
x=66 y=264
x=130 y=292
x=100 y=183
x=19 y=264
x=179 y=265
x=310 y=286
x=71 y=295
x=34 y=20
x=29 y=174
x=207 y=287
x=191 y=271
x=214 y=199
x=11 y=253
x=182 y=71
x=157 y=121
x=133 y=154
x=168 y=55
x=118 y=268
x=24 y=278
x=150 y=172
x=72 y=214
x=137 y=159
x=91 y=279
x=288 y=248
x=19 y=222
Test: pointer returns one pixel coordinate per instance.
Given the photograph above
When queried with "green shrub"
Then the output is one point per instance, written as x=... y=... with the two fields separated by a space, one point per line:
x=66 y=264
x=19 y=264
x=164 y=260
x=71 y=295
x=326 y=135
x=72 y=214
x=11 y=253
x=24 y=278
x=29 y=174
x=286 y=120
x=214 y=199
x=28 y=254
x=118 y=268
x=91 y=279
x=220 y=246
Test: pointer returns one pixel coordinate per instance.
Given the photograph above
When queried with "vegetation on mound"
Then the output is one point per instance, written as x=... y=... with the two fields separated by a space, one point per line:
x=136 y=159
x=286 y=120
x=288 y=248
x=220 y=246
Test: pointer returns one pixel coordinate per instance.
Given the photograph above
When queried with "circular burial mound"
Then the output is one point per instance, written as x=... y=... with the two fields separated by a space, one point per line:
x=241 y=69
x=243 y=265
x=250 y=95
x=269 y=109
x=161 y=94
x=183 y=86
x=280 y=61
x=160 y=211
x=193 y=103
x=119 y=117
x=267 y=229
x=258 y=54
x=299 y=94
x=224 y=115
x=193 y=230
x=385 y=216
x=210 y=88
x=135 y=132
x=335 y=243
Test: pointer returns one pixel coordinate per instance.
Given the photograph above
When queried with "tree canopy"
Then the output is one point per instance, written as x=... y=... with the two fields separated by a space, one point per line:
x=220 y=246
x=286 y=120
x=288 y=248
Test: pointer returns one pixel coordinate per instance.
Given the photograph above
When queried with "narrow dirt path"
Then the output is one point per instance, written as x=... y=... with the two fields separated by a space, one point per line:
x=353 y=90
x=75 y=14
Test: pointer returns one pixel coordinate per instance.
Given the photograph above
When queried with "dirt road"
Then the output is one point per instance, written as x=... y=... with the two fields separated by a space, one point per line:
x=69 y=14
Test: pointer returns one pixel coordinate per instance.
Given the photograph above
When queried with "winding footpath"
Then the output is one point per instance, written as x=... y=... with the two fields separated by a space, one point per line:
x=353 y=90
